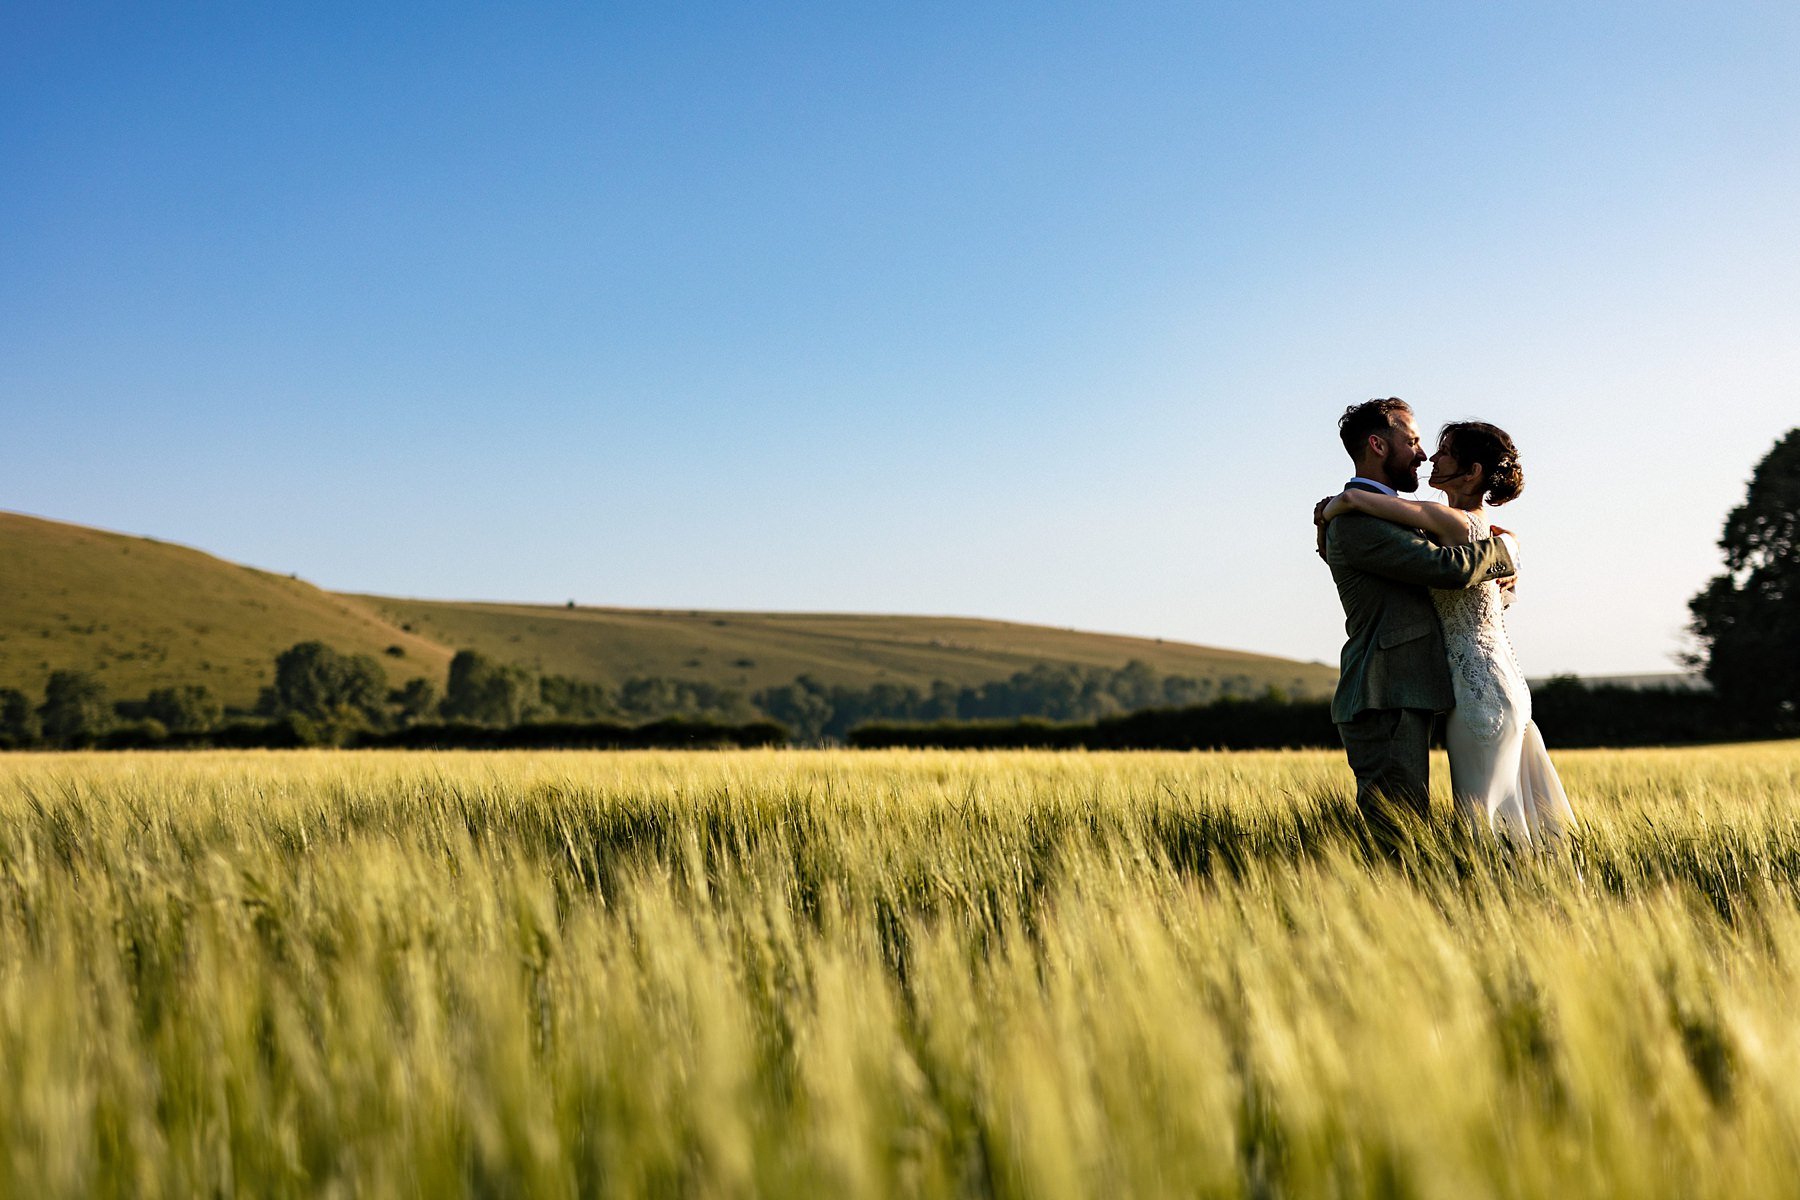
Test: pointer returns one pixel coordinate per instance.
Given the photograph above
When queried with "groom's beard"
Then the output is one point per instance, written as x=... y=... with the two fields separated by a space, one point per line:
x=1403 y=476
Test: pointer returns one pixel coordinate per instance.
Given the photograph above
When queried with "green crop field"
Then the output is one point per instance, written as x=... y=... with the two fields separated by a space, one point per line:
x=874 y=974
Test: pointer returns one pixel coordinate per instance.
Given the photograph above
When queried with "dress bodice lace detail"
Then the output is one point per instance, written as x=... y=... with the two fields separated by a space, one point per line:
x=1484 y=671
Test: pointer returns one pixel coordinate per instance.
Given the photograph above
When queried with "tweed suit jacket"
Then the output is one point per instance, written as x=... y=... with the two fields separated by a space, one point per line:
x=1394 y=653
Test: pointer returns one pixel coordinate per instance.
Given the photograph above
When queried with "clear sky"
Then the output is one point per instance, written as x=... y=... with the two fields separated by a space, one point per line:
x=1035 y=311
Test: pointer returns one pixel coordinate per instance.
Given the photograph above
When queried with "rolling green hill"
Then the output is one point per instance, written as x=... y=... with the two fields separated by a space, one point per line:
x=753 y=650
x=143 y=613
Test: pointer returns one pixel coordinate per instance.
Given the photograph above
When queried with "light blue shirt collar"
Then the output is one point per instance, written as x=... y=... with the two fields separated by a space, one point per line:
x=1383 y=488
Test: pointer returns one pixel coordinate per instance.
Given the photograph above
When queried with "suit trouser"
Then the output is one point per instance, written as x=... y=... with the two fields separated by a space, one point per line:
x=1390 y=752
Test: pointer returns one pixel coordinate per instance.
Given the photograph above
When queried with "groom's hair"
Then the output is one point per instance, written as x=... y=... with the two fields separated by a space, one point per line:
x=1371 y=416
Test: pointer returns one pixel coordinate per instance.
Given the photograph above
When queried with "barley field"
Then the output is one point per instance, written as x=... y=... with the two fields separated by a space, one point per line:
x=886 y=974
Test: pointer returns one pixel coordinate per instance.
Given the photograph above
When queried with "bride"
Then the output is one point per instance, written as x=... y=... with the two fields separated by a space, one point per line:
x=1500 y=772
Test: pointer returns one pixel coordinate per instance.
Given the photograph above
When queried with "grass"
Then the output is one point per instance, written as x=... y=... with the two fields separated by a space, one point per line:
x=799 y=973
x=143 y=614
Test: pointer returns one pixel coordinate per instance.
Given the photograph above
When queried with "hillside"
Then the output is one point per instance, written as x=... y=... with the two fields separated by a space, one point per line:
x=753 y=650
x=143 y=613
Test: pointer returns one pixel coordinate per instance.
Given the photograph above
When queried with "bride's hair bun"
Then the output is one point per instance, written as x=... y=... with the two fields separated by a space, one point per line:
x=1474 y=442
x=1505 y=481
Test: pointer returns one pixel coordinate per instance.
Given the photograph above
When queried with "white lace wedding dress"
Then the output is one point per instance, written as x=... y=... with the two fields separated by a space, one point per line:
x=1500 y=772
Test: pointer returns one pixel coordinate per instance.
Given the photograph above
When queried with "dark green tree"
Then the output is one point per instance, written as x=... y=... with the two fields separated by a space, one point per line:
x=804 y=706
x=1747 y=619
x=485 y=692
x=417 y=700
x=186 y=708
x=316 y=683
x=941 y=705
x=75 y=709
x=18 y=718
x=1135 y=686
x=646 y=698
x=575 y=699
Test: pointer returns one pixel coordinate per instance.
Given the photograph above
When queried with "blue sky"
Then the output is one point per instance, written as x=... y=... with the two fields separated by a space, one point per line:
x=1042 y=312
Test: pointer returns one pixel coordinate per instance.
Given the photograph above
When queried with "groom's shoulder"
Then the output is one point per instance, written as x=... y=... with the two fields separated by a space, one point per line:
x=1351 y=529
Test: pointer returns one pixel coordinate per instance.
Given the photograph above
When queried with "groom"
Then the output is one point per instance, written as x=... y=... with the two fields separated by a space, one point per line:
x=1393 y=676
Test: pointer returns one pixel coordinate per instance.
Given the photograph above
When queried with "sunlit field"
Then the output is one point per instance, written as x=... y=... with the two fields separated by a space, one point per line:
x=872 y=974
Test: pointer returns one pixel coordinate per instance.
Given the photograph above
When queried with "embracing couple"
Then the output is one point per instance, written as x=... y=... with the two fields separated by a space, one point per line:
x=1424 y=588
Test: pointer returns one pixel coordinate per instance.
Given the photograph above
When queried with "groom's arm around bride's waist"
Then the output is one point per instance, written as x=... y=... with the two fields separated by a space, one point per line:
x=1383 y=548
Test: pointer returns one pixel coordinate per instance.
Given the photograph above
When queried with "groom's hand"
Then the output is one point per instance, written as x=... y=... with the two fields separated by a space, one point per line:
x=1510 y=540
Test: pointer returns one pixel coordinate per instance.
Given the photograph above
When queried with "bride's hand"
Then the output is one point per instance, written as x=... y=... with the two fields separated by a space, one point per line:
x=1332 y=506
x=1323 y=511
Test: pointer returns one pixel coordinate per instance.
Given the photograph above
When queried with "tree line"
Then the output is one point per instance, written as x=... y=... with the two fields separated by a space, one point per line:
x=818 y=713
x=321 y=696
x=327 y=699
